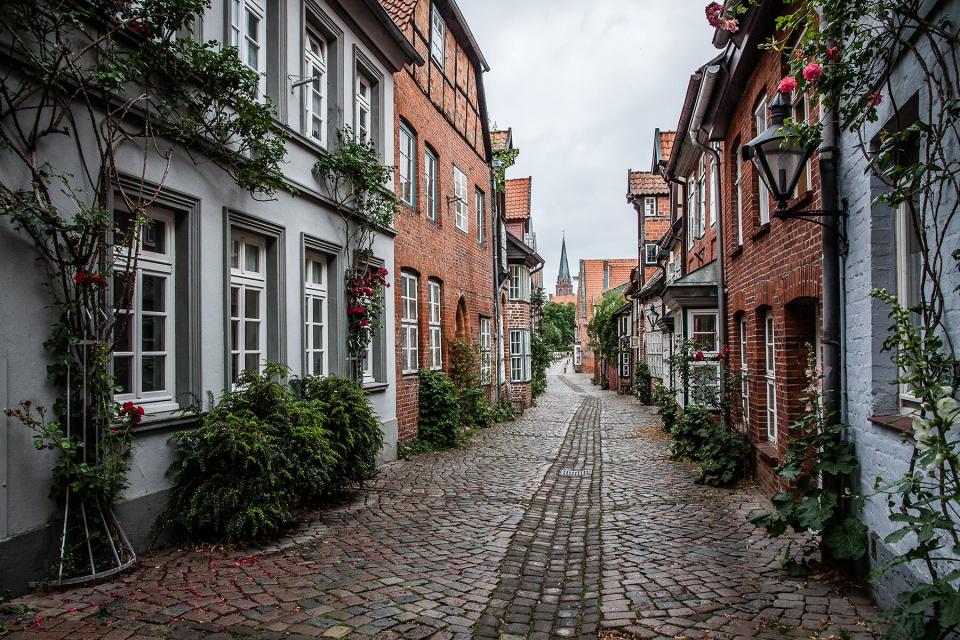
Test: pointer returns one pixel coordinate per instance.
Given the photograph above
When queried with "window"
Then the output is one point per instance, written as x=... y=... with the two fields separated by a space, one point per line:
x=460 y=204
x=702 y=196
x=436 y=333
x=909 y=258
x=430 y=180
x=650 y=252
x=760 y=125
x=363 y=108
x=744 y=373
x=714 y=186
x=801 y=109
x=691 y=212
x=438 y=34
x=143 y=357
x=408 y=166
x=481 y=214
x=409 y=318
x=519 y=285
x=247 y=34
x=624 y=335
x=315 y=93
x=738 y=194
x=486 y=352
x=248 y=303
x=316 y=317
x=520 y=355
x=650 y=207
x=704 y=374
x=770 y=379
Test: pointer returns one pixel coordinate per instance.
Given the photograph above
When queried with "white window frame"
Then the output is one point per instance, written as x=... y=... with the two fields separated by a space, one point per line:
x=460 y=205
x=316 y=292
x=438 y=35
x=692 y=319
x=744 y=372
x=435 y=335
x=363 y=107
x=160 y=265
x=518 y=287
x=770 y=374
x=649 y=259
x=431 y=163
x=623 y=323
x=315 y=67
x=481 y=216
x=710 y=355
x=739 y=187
x=486 y=351
x=909 y=286
x=409 y=322
x=408 y=166
x=763 y=194
x=240 y=13
x=520 y=355
x=650 y=206
x=245 y=281
x=701 y=196
x=691 y=210
x=714 y=186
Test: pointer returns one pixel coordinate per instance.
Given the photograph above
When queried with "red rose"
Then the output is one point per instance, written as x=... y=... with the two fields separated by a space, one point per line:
x=833 y=54
x=79 y=277
x=699 y=356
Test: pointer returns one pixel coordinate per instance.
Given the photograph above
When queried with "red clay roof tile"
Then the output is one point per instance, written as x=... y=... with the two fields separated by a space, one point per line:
x=518 y=198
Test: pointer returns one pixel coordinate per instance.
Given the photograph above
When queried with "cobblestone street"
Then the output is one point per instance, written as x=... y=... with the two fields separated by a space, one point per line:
x=570 y=522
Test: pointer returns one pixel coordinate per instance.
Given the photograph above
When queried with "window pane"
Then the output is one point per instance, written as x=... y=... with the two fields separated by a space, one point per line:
x=152 y=338
x=251 y=362
x=234 y=367
x=153 y=236
x=122 y=332
x=153 y=293
x=252 y=258
x=122 y=284
x=251 y=306
x=152 y=373
x=234 y=335
x=234 y=254
x=317 y=315
x=317 y=341
x=234 y=302
x=318 y=364
x=123 y=372
x=251 y=336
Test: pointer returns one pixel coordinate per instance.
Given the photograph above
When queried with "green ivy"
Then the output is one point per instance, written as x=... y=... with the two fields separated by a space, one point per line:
x=439 y=422
x=462 y=363
x=644 y=381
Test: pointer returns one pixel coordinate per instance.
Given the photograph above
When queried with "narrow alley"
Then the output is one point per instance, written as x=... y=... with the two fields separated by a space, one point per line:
x=571 y=521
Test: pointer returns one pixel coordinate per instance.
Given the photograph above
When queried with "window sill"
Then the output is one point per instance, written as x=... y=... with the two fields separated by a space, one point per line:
x=737 y=252
x=375 y=387
x=409 y=374
x=899 y=423
x=465 y=232
x=768 y=451
x=761 y=231
x=168 y=421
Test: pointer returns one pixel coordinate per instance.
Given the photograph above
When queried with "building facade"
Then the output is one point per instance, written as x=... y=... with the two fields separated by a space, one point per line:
x=444 y=247
x=596 y=277
x=237 y=280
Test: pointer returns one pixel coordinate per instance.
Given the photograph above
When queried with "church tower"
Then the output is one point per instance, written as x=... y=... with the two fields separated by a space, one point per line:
x=564 y=282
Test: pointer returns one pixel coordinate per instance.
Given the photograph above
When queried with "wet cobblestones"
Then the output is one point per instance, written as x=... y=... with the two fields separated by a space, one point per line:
x=490 y=541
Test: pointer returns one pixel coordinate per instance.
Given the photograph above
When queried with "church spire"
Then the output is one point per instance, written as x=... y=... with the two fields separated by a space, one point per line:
x=564 y=282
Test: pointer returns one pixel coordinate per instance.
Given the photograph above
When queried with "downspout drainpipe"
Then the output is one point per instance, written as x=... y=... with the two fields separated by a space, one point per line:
x=699 y=111
x=495 y=246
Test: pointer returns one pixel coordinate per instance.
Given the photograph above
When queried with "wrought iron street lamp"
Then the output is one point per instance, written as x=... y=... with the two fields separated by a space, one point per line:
x=779 y=160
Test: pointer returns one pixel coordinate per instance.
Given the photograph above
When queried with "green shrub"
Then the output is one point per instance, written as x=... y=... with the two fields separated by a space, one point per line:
x=475 y=409
x=439 y=411
x=604 y=383
x=258 y=454
x=644 y=380
x=354 y=429
x=699 y=437
x=504 y=411
x=666 y=403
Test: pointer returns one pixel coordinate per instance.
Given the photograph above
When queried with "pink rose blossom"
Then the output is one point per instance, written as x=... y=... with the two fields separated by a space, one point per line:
x=833 y=54
x=731 y=25
x=812 y=72
x=874 y=99
x=787 y=85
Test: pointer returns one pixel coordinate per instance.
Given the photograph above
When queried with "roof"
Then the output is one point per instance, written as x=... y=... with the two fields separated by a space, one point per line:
x=644 y=183
x=652 y=286
x=518 y=198
x=564 y=265
x=666 y=143
x=519 y=251
x=401 y=11
x=501 y=140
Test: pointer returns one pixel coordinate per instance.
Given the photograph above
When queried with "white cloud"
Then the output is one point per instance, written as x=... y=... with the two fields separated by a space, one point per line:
x=584 y=85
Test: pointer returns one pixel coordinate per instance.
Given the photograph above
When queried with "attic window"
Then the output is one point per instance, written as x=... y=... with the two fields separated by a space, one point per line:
x=438 y=34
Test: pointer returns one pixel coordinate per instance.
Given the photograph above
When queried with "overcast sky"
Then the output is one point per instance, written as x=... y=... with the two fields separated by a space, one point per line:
x=584 y=84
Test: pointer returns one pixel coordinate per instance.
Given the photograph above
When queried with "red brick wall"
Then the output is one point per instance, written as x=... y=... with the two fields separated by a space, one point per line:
x=704 y=249
x=777 y=268
x=516 y=316
x=441 y=108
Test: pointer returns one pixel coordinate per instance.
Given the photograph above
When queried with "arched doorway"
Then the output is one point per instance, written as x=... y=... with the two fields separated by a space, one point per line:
x=462 y=319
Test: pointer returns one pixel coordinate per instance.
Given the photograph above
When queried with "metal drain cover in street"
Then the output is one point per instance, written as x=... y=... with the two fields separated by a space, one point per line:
x=579 y=473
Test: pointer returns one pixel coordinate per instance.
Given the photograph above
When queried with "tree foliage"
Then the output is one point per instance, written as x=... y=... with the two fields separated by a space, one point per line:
x=559 y=325
x=602 y=330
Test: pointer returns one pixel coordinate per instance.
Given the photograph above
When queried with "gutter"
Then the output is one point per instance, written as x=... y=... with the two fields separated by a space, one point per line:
x=391 y=27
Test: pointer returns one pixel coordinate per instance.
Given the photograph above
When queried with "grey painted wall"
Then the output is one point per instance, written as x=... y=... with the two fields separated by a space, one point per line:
x=869 y=371
x=25 y=508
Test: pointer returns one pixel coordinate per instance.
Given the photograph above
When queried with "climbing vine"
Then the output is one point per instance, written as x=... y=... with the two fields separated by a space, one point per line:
x=359 y=186
x=94 y=90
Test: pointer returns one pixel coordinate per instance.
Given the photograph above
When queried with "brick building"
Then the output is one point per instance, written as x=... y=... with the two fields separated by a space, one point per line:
x=772 y=267
x=524 y=272
x=596 y=277
x=649 y=195
x=444 y=250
